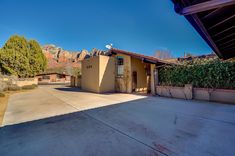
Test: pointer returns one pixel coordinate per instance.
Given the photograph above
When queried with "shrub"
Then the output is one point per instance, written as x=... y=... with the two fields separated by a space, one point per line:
x=35 y=86
x=21 y=57
x=29 y=86
x=200 y=73
x=5 y=89
x=14 y=88
x=2 y=94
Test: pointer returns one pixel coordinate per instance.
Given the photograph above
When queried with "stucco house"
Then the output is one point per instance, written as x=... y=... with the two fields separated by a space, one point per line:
x=120 y=71
x=45 y=78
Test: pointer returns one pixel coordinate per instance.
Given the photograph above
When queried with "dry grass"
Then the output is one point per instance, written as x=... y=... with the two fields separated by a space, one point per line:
x=3 y=105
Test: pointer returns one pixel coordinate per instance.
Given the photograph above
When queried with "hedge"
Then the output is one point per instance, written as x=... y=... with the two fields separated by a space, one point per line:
x=2 y=94
x=14 y=87
x=200 y=73
x=29 y=87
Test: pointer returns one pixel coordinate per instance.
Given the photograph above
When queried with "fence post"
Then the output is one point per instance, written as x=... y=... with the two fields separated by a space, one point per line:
x=152 y=79
x=156 y=78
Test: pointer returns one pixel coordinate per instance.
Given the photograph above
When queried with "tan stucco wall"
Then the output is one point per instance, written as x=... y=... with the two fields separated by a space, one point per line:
x=124 y=84
x=90 y=74
x=27 y=81
x=98 y=74
x=53 y=78
x=138 y=66
x=106 y=74
x=67 y=78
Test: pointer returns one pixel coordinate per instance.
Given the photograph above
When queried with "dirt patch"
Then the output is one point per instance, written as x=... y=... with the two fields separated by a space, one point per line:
x=3 y=106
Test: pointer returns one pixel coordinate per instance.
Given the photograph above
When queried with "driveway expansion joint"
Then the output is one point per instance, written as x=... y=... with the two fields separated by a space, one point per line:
x=113 y=128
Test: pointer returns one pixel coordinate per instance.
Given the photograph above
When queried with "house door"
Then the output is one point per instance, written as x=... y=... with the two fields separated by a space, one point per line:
x=134 y=81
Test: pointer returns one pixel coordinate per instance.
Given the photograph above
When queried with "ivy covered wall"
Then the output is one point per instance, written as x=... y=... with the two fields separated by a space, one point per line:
x=212 y=73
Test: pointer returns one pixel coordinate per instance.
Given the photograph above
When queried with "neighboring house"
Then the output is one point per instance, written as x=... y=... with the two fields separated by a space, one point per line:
x=120 y=71
x=208 y=56
x=189 y=58
x=53 y=78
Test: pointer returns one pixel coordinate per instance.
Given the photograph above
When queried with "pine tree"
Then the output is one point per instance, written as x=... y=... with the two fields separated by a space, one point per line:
x=37 y=59
x=22 y=58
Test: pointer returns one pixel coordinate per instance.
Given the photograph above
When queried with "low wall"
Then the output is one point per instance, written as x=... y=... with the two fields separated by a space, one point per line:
x=188 y=92
x=218 y=95
x=175 y=92
x=6 y=81
x=26 y=81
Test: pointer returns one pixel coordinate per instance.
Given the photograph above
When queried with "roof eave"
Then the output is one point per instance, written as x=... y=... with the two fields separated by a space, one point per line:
x=190 y=12
x=144 y=59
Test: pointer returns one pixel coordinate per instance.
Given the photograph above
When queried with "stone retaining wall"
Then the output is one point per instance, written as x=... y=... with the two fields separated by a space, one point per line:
x=26 y=81
x=188 y=92
x=6 y=81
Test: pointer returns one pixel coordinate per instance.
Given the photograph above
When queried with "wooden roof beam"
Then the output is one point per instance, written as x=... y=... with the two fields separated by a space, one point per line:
x=230 y=48
x=221 y=39
x=206 y=34
x=232 y=44
x=204 y=6
x=211 y=13
x=221 y=32
x=232 y=40
x=225 y=20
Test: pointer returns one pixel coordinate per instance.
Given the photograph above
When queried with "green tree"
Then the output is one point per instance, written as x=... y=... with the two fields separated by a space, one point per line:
x=14 y=57
x=22 y=58
x=37 y=59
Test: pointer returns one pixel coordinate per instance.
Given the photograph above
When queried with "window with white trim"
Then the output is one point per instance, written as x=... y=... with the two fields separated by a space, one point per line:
x=120 y=66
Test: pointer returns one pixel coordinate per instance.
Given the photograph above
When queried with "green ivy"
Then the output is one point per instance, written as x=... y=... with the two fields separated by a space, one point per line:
x=212 y=73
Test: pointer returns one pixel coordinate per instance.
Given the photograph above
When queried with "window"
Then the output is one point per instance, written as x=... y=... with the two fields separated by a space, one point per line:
x=120 y=60
x=45 y=77
x=59 y=76
x=120 y=66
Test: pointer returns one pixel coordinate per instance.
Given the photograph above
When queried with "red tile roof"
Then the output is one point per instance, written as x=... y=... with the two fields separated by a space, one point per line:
x=144 y=58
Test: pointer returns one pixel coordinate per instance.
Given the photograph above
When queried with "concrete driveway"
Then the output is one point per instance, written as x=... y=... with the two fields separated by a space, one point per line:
x=47 y=101
x=114 y=124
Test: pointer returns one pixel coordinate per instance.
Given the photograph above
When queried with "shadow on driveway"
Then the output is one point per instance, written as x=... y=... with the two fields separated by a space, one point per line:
x=66 y=135
x=69 y=89
x=149 y=126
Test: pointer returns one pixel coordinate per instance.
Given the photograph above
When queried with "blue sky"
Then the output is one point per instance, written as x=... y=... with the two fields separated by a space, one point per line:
x=134 y=25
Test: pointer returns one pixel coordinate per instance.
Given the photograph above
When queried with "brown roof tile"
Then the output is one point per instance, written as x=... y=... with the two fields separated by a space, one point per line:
x=150 y=59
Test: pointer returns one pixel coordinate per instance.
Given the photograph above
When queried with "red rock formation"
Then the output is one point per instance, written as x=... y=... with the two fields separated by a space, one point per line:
x=63 y=59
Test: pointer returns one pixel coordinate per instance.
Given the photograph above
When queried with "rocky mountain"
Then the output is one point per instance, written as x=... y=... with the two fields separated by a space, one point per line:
x=60 y=58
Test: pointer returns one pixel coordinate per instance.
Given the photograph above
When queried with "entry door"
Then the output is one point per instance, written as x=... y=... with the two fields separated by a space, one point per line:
x=134 y=81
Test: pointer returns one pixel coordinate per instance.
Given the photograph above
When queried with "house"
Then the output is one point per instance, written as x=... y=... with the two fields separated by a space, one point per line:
x=189 y=58
x=208 y=56
x=120 y=71
x=51 y=78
